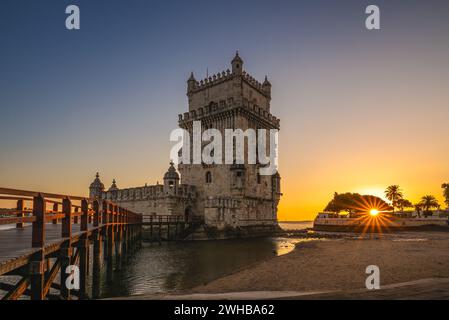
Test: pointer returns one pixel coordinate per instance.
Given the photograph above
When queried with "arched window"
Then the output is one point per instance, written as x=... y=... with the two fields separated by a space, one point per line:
x=208 y=177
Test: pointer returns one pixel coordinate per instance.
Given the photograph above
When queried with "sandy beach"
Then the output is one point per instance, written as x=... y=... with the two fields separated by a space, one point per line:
x=339 y=265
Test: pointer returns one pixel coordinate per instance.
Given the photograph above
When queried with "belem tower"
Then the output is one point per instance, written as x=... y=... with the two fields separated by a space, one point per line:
x=224 y=200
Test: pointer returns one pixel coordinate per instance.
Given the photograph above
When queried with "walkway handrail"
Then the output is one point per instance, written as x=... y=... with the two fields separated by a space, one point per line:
x=118 y=226
x=25 y=193
x=21 y=215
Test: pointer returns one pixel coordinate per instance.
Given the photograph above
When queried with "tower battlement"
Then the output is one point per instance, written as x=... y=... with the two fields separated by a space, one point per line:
x=227 y=87
x=224 y=76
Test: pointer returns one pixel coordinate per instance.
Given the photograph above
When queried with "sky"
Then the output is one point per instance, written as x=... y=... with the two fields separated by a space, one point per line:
x=360 y=109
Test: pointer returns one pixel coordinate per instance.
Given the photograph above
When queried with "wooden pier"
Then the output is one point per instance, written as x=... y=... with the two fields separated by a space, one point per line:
x=164 y=227
x=64 y=230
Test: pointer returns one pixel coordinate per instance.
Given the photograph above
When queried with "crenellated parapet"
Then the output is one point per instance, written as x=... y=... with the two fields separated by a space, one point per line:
x=213 y=80
x=254 y=83
x=217 y=108
x=148 y=193
x=237 y=75
x=221 y=77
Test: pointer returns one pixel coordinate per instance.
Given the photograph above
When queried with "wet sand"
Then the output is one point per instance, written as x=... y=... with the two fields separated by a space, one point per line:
x=339 y=265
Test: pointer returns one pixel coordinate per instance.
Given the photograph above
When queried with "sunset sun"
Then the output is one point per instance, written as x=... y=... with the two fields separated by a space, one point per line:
x=374 y=212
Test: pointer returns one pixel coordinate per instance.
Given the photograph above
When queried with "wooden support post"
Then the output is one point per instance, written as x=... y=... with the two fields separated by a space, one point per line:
x=37 y=274
x=47 y=266
x=67 y=220
x=125 y=233
x=65 y=254
x=38 y=241
x=20 y=213
x=118 y=238
x=96 y=209
x=55 y=210
x=84 y=215
x=110 y=261
x=83 y=246
x=104 y=229
x=38 y=232
x=96 y=265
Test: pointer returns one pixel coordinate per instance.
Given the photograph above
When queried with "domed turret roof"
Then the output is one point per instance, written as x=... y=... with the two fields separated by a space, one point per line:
x=237 y=58
x=171 y=172
x=97 y=183
x=192 y=77
x=113 y=186
x=266 y=82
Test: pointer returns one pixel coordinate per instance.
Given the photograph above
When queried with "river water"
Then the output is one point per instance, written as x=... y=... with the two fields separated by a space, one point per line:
x=174 y=266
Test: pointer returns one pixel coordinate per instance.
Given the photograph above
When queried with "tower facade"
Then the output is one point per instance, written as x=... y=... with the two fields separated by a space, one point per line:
x=214 y=197
x=231 y=195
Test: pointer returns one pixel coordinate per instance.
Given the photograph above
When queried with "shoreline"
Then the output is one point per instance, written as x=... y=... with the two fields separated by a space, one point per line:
x=408 y=261
x=423 y=289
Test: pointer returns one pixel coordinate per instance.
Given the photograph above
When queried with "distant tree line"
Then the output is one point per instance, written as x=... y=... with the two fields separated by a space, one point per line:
x=353 y=203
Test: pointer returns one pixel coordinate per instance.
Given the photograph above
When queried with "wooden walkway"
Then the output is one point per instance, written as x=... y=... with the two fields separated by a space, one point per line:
x=63 y=231
x=15 y=242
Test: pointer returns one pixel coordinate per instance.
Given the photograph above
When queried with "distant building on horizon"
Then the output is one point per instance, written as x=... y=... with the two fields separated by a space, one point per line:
x=226 y=197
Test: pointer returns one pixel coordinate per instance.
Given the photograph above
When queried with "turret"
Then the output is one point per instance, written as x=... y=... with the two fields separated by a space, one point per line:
x=237 y=64
x=191 y=83
x=266 y=87
x=171 y=180
x=113 y=186
x=96 y=188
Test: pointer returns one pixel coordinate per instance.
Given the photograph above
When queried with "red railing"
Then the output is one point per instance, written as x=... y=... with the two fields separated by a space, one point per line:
x=98 y=222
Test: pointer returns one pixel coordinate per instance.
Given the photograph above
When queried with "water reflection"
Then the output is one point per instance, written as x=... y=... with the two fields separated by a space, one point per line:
x=183 y=265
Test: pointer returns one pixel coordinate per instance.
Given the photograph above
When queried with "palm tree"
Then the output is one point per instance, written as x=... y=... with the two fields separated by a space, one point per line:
x=445 y=187
x=404 y=203
x=393 y=193
x=429 y=202
x=418 y=209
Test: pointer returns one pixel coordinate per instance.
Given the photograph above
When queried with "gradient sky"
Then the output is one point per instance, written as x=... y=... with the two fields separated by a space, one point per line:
x=359 y=109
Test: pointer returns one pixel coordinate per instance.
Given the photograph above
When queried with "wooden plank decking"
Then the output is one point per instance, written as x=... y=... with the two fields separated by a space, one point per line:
x=62 y=232
x=16 y=243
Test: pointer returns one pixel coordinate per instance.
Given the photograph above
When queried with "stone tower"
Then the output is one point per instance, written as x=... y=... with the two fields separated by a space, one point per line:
x=231 y=196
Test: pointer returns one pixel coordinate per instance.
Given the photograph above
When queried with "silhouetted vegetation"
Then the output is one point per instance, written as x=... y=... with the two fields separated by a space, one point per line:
x=427 y=203
x=353 y=203
x=394 y=194
x=404 y=203
x=445 y=187
x=356 y=203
